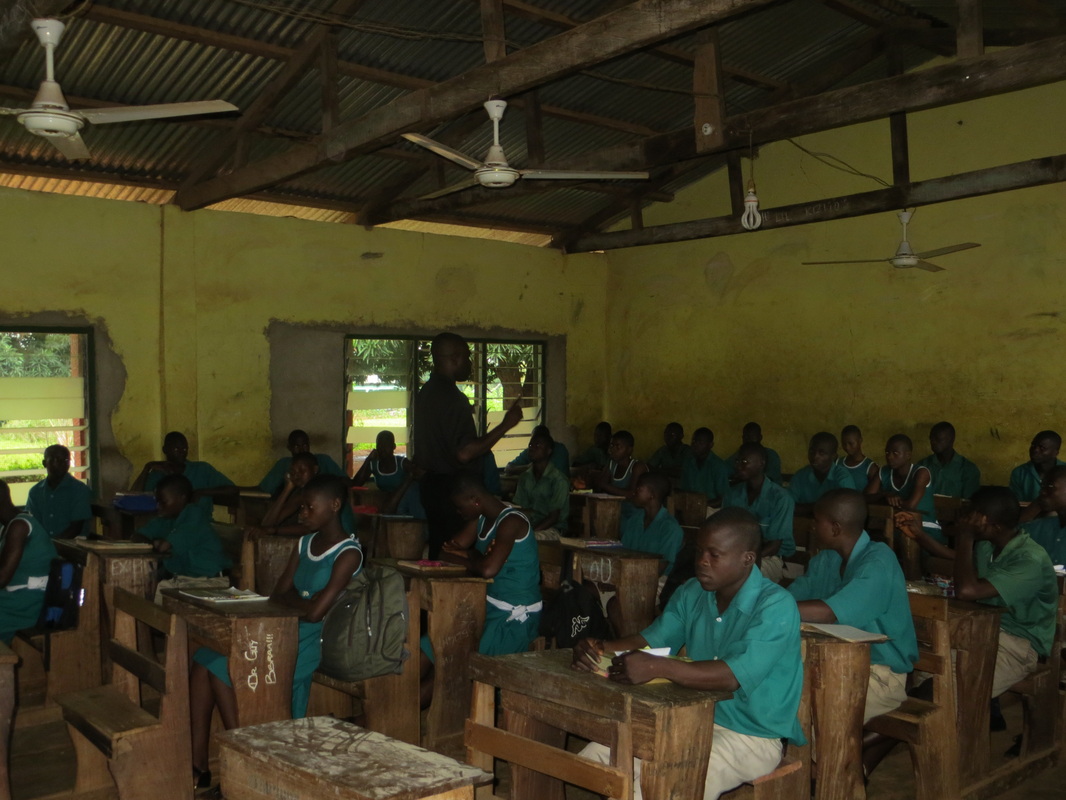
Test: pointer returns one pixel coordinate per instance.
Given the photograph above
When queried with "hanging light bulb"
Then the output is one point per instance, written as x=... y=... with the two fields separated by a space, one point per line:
x=751 y=219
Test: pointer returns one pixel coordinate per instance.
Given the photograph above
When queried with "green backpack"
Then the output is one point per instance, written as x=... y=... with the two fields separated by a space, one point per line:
x=365 y=633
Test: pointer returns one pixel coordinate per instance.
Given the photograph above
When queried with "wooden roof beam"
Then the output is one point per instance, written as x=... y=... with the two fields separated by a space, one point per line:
x=638 y=25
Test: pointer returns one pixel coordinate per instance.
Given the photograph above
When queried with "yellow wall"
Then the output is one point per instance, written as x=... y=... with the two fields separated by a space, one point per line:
x=187 y=300
x=719 y=331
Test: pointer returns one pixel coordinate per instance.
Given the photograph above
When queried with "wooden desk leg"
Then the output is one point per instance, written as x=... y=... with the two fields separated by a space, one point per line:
x=975 y=639
x=839 y=677
x=482 y=712
x=456 y=620
x=391 y=702
x=7 y=712
x=685 y=732
x=637 y=581
x=528 y=784
x=135 y=575
x=261 y=668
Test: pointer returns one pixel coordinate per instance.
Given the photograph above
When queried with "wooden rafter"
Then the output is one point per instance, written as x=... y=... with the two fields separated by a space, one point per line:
x=638 y=25
x=971 y=42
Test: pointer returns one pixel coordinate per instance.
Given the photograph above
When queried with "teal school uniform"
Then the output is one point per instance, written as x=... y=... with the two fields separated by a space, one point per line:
x=806 y=488
x=517 y=584
x=1049 y=533
x=1025 y=579
x=550 y=492
x=592 y=456
x=57 y=508
x=773 y=465
x=196 y=551
x=711 y=477
x=871 y=596
x=388 y=481
x=960 y=477
x=859 y=473
x=22 y=598
x=560 y=457
x=663 y=459
x=275 y=478
x=773 y=508
x=201 y=475
x=927 y=506
x=1025 y=481
x=758 y=637
x=624 y=482
x=662 y=536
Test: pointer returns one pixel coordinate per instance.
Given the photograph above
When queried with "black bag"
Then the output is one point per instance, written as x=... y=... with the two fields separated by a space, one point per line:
x=574 y=614
x=63 y=599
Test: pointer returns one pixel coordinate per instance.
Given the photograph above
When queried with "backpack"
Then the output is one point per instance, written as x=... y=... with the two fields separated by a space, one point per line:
x=574 y=614
x=365 y=632
x=63 y=598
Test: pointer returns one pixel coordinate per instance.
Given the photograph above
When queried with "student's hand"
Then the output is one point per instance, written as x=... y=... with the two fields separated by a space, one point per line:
x=254 y=532
x=161 y=546
x=459 y=552
x=894 y=500
x=908 y=523
x=514 y=413
x=587 y=654
x=372 y=454
x=159 y=466
x=634 y=667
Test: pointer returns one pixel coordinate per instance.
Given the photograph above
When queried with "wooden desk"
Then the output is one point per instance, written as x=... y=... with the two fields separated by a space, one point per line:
x=8 y=661
x=259 y=638
x=455 y=608
x=666 y=725
x=271 y=555
x=634 y=573
x=251 y=507
x=602 y=516
x=690 y=507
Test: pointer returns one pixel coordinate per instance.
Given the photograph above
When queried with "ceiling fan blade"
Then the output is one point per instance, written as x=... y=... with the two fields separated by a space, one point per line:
x=462 y=159
x=455 y=187
x=929 y=267
x=577 y=175
x=943 y=251
x=106 y=116
x=852 y=261
x=70 y=146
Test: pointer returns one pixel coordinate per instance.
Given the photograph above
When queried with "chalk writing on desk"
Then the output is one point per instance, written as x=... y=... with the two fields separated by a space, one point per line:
x=252 y=653
x=271 y=676
x=253 y=679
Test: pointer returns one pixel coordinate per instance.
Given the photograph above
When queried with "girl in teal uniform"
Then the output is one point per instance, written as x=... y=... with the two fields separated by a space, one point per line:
x=861 y=469
x=906 y=485
x=318 y=571
x=383 y=463
x=26 y=553
x=622 y=473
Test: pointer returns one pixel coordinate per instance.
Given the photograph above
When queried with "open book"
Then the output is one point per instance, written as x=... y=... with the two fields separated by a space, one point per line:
x=230 y=595
x=662 y=652
x=845 y=632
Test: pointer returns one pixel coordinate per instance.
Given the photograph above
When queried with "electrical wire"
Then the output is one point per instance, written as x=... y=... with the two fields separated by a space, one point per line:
x=828 y=159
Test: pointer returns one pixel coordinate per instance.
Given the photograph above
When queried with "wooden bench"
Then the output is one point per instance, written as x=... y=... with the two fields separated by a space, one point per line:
x=315 y=757
x=928 y=727
x=148 y=755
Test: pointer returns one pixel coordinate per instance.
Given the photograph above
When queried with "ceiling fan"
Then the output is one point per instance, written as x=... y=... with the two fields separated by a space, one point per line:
x=494 y=172
x=51 y=118
x=905 y=257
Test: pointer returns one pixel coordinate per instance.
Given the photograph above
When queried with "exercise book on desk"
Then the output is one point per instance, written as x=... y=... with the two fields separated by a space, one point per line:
x=115 y=544
x=661 y=652
x=230 y=595
x=846 y=633
x=433 y=567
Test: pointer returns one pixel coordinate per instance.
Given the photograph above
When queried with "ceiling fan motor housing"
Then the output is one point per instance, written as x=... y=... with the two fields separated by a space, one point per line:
x=496 y=177
x=51 y=123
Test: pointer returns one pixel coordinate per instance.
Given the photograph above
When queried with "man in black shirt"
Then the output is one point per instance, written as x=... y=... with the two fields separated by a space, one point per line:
x=445 y=437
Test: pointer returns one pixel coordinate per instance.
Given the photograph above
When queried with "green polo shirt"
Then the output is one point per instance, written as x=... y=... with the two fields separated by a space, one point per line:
x=544 y=495
x=57 y=508
x=662 y=536
x=711 y=477
x=663 y=459
x=773 y=464
x=806 y=488
x=871 y=596
x=773 y=508
x=960 y=477
x=200 y=474
x=275 y=479
x=758 y=636
x=1025 y=579
x=1025 y=481
x=196 y=551
x=1049 y=533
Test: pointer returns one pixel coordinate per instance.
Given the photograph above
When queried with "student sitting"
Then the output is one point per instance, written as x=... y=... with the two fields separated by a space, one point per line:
x=622 y=472
x=854 y=581
x=387 y=468
x=543 y=492
x=282 y=517
x=207 y=482
x=772 y=506
x=752 y=434
x=703 y=471
x=1050 y=531
x=997 y=564
x=742 y=633
x=183 y=532
x=321 y=566
x=560 y=456
x=1026 y=479
x=670 y=458
x=822 y=474
x=654 y=531
x=60 y=502
x=862 y=469
x=596 y=457
x=26 y=553
x=298 y=442
x=953 y=474
x=904 y=485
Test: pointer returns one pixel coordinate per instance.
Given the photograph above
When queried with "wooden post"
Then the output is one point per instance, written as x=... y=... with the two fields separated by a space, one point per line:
x=492 y=30
x=709 y=93
x=970 y=41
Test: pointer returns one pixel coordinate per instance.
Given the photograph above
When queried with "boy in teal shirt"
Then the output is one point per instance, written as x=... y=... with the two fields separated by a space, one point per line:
x=595 y=457
x=206 y=481
x=560 y=455
x=1050 y=532
x=771 y=505
x=703 y=471
x=953 y=474
x=298 y=442
x=742 y=633
x=654 y=531
x=752 y=434
x=61 y=503
x=1026 y=479
x=822 y=474
x=669 y=458
x=543 y=491
x=858 y=582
